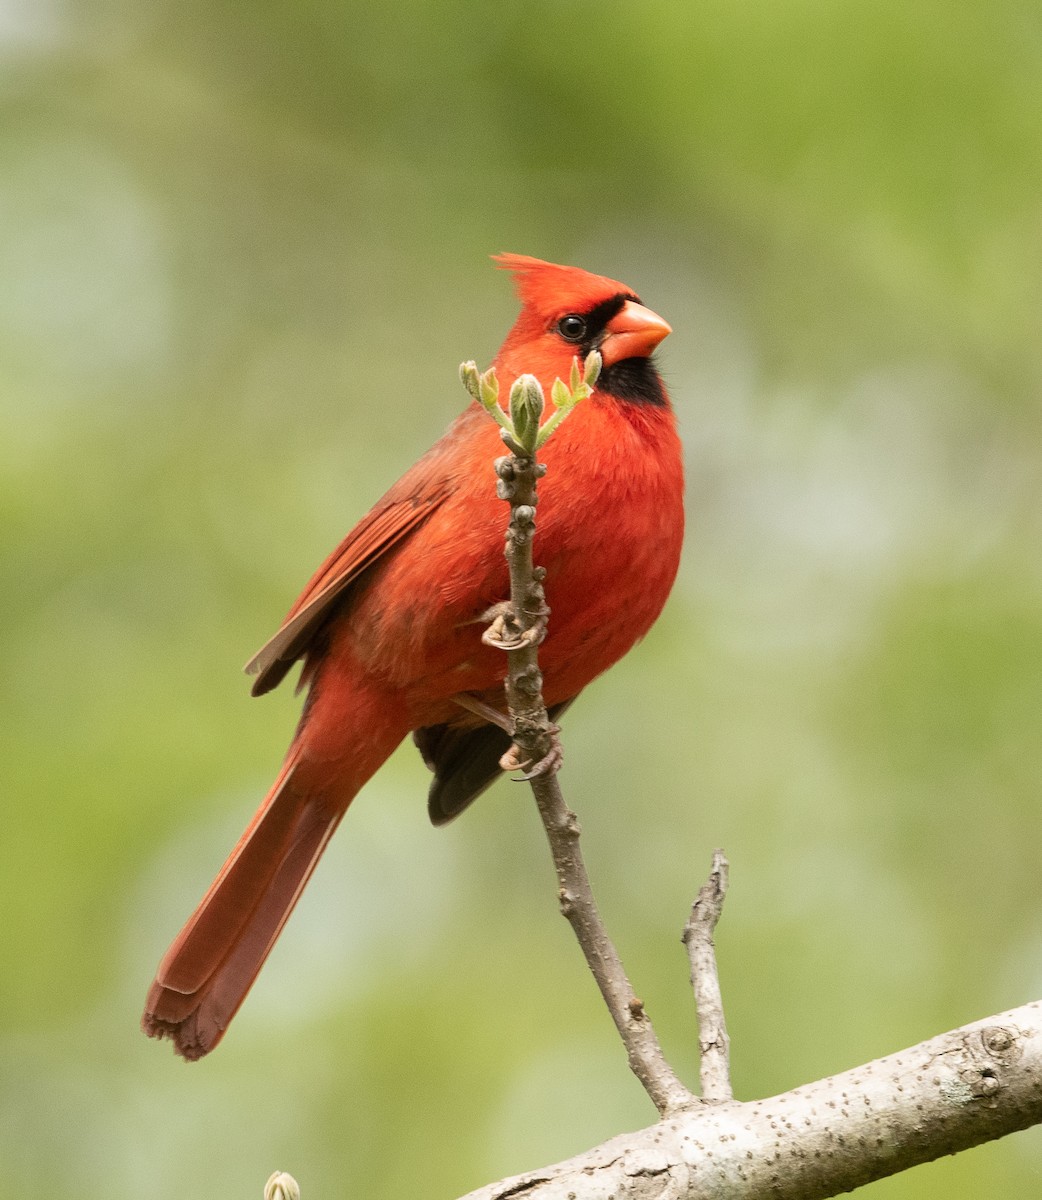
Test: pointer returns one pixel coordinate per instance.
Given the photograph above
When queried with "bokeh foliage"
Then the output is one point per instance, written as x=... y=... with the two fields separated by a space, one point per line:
x=220 y=222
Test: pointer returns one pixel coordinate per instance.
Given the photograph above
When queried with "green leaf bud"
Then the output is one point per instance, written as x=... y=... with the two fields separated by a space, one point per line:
x=592 y=368
x=526 y=410
x=468 y=373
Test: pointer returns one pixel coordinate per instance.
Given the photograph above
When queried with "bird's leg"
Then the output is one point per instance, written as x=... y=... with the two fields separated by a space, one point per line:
x=506 y=632
x=487 y=712
x=513 y=760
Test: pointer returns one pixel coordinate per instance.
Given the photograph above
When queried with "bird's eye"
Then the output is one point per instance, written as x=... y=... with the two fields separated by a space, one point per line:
x=572 y=328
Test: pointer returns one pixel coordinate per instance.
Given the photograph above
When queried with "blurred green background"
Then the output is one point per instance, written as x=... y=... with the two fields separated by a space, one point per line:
x=220 y=224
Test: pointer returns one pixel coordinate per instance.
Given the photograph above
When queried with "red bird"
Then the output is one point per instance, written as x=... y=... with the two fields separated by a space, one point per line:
x=389 y=628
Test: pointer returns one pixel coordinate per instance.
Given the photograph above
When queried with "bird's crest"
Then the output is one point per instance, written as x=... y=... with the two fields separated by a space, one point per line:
x=547 y=288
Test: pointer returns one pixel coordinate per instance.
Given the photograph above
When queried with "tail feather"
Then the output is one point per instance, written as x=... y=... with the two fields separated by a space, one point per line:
x=210 y=967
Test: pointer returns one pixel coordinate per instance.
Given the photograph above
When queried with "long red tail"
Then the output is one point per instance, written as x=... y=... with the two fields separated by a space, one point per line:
x=208 y=970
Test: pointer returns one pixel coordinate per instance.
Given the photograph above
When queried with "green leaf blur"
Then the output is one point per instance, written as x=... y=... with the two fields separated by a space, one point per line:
x=222 y=226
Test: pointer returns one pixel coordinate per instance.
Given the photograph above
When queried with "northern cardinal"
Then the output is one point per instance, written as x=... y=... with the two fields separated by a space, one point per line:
x=389 y=627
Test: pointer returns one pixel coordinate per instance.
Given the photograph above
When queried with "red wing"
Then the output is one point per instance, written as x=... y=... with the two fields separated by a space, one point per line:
x=407 y=505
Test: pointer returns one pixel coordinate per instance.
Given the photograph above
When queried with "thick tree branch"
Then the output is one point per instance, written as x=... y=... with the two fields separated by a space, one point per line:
x=969 y=1086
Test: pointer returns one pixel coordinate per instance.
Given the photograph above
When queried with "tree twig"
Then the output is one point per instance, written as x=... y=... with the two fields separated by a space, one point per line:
x=713 y=1042
x=519 y=630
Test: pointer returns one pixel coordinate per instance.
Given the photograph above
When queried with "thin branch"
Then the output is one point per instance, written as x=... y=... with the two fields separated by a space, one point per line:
x=644 y=1053
x=969 y=1086
x=713 y=1041
x=519 y=630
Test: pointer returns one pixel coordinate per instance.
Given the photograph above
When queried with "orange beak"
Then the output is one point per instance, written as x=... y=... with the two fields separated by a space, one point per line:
x=632 y=333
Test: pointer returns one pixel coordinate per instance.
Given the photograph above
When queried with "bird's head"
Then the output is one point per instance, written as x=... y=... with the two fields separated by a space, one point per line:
x=567 y=312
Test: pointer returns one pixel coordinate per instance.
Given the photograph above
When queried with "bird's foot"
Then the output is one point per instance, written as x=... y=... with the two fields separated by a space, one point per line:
x=514 y=759
x=506 y=632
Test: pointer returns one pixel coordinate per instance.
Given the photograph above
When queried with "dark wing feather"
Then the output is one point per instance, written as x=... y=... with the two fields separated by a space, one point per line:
x=465 y=762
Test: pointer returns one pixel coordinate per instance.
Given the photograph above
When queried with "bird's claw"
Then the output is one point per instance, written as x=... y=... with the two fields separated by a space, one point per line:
x=505 y=633
x=548 y=765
